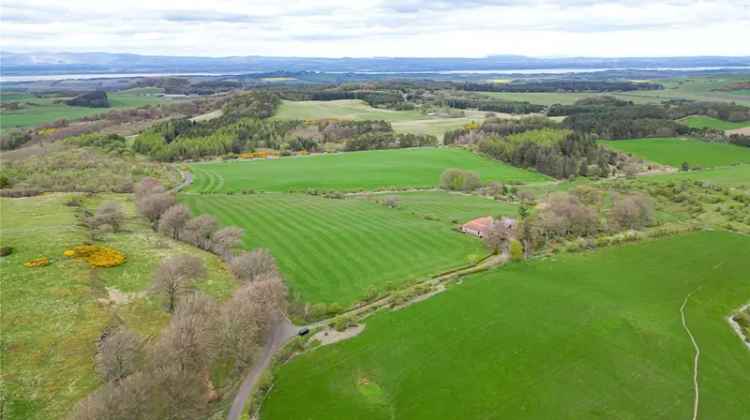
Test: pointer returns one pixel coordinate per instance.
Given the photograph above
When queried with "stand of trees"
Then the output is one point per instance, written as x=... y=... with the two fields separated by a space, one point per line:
x=170 y=377
x=494 y=105
x=561 y=86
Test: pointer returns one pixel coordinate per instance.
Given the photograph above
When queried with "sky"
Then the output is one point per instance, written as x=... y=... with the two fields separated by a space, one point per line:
x=390 y=28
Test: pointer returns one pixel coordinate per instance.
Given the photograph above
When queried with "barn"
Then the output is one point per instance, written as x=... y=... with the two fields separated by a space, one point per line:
x=479 y=227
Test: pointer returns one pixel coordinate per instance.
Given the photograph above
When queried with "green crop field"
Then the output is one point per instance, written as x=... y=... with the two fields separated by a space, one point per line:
x=436 y=127
x=675 y=151
x=377 y=169
x=347 y=109
x=340 y=250
x=51 y=319
x=448 y=206
x=38 y=111
x=702 y=121
x=730 y=176
x=584 y=336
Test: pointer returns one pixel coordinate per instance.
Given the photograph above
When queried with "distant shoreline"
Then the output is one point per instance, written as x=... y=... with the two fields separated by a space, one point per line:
x=546 y=71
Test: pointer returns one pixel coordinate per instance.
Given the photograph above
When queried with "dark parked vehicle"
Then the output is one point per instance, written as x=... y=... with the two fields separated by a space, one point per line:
x=303 y=331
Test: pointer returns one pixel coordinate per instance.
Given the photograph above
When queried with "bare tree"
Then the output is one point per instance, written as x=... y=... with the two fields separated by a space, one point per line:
x=496 y=239
x=147 y=186
x=187 y=341
x=226 y=239
x=152 y=206
x=247 y=318
x=248 y=266
x=173 y=220
x=119 y=355
x=199 y=230
x=109 y=213
x=175 y=276
x=632 y=212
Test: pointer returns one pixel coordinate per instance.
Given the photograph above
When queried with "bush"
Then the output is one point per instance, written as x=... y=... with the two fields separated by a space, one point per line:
x=459 y=180
x=6 y=250
x=97 y=256
x=38 y=262
x=516 y=250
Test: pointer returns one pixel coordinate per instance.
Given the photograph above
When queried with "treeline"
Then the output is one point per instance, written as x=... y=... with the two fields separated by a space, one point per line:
x=494 y=105
x=171 y=376
x=560 y=86
x=391 y=140
x=541 y=144
x=373 y=98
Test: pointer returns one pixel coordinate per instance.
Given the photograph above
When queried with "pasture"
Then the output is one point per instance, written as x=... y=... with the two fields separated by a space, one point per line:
x=352 y=171
x=413 y=122
x=340 y=250
x=345 y=109
x=703 y=121
x=580 y=336
x=730 y=176
x=674 y=151
x=52 y=318
x=40 y=110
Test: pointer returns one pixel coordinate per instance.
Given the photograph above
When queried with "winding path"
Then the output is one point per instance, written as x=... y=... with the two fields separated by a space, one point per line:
x=696 y=360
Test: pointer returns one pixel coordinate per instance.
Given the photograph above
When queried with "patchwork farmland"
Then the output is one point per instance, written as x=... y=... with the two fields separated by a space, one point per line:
x=612 y=318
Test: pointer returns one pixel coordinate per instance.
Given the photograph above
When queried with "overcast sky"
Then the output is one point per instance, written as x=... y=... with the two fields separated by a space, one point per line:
x=365 y=28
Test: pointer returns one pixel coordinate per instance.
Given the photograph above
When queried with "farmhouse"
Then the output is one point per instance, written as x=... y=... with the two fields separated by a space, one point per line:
x=479 y=227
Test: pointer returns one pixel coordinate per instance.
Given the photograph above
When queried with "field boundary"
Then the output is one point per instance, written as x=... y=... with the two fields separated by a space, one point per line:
x=696 y=359
x=737 y=327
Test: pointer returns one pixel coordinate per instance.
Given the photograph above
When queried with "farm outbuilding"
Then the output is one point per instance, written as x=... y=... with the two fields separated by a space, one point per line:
x=479 y=227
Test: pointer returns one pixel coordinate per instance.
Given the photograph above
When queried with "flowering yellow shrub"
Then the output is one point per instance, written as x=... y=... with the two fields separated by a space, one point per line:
x=38 y=262
x=260 y=154
x=97 y=256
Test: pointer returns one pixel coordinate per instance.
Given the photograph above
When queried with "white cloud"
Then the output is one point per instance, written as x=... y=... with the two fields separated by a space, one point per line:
x=336 y=28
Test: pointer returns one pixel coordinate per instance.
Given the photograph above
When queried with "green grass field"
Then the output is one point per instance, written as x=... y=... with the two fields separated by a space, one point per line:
x=413 y=122
x=337 y=251
x=702 y=121
x=45 y=110
x=730 y=176
x=582 y=336
x=343 y=109
x=353 y=171
x=449 y=207
x=51 y=319
x=675 y=151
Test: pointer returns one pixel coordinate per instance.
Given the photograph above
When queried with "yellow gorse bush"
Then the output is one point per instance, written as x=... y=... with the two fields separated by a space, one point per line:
x=38 y=262
x=97 y=256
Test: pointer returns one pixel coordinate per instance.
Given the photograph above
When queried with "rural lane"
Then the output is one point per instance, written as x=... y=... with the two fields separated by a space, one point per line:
x=282 y=332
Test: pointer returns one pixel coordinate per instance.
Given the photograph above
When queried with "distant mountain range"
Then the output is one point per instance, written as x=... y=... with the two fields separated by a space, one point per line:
x=94 y=62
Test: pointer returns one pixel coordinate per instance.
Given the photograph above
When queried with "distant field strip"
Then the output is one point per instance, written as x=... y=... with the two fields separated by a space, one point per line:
x=702 y=121
x=587 y=336
x=353 y=171
x=335 y=251
x=674 y=151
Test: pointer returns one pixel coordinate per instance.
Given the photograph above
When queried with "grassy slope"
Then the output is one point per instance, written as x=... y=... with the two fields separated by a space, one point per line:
x=47 y=111
x=447 y=207
x=675 y=151
x=702 y=121
x=50 y=315
x=696 y=88
x=333 y=251
x=587 y=336
x=403 y=121
x=351 y=171
x=733 y=176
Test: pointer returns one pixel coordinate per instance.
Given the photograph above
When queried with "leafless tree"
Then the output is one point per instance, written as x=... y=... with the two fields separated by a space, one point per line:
x=632 y=212
x=497 y=237
x=248 y=317
x=119 y=355
x=152 y=206
x=175 y=276
x=223 y=241
x=248 y=266
x=147 y=186
x=173 y=220
x=199 y=230
x=109 y=213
